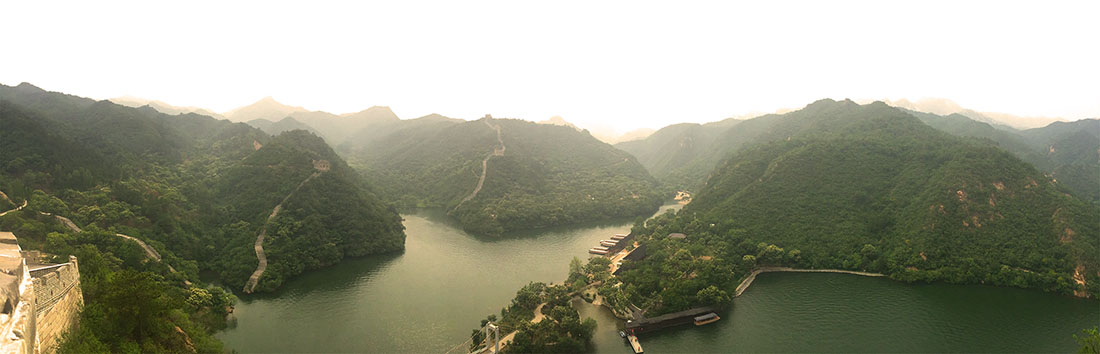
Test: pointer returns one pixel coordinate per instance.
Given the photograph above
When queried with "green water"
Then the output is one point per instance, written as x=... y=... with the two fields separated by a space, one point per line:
x=821 y=312
x=430 y=297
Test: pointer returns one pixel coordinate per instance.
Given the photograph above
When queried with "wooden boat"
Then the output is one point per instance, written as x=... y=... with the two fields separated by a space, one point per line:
x=635 y=344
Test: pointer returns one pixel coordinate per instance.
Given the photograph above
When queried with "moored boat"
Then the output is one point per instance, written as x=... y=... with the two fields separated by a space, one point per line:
x=635 y=344
x=707 y=318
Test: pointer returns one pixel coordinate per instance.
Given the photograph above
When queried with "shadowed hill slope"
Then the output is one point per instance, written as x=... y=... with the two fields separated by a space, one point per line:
x=871 y=188
x=543 y=175
x=195 y=187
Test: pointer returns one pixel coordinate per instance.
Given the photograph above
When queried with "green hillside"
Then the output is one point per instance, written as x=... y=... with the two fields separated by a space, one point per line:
x=869 y=188
x=1072 y=154
x=1068 y=151
x=675 y=154
x=196 y=189
x=280 y=126
x=324 y=220
x=682 y=155
x=546 y=175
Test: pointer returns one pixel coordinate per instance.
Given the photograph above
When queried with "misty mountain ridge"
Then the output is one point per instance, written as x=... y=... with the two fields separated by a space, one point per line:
x=558 y=120
x=266 y=108
x=283 y=125
x=943 y=106
x=501 y=175
x=162 y=107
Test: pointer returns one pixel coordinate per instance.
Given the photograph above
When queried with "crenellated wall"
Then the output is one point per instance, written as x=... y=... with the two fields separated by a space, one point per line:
x=38 y=302
x=58 y=300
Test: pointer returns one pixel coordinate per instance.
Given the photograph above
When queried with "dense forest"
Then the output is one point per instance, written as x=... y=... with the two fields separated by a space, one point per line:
x=683 y=155
x=1068 y=151
x=196 y=189
x=869 y=188
x=542 y=175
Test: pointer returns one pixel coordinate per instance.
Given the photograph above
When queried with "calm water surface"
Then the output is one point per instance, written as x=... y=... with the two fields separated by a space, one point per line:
x=430 y=297
x=821 y=312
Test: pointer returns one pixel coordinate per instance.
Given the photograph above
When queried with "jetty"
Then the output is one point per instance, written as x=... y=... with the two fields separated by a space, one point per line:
x=617 y=243
x=642 y=325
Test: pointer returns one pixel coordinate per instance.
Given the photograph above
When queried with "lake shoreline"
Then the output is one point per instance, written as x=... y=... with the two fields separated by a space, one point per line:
x=752 y=276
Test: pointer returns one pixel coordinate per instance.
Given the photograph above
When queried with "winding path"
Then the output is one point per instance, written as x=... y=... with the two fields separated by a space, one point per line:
x=752 y=276
x=150 y=252
x=16 y=208
x=262 y=266
x=497 y=151
x=508 y=338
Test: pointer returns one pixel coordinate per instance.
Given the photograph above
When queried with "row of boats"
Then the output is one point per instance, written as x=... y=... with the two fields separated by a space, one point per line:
x=605 y=245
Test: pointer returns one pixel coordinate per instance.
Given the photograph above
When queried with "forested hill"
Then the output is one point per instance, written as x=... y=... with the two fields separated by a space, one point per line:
x=322 y=221
x=682 y=155
x=280 y=126
x=1068 y=151
x=195 y=188
x=185 y=175
x=676 y=153
x=274 y=117
x=542 y=176
x=870 y=188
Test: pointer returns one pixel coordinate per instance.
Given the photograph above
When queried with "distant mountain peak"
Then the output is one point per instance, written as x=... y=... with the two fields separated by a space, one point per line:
x=26 y=86
x=374 y=114
x=558 y=120
x=379 y=110
x=267 y=108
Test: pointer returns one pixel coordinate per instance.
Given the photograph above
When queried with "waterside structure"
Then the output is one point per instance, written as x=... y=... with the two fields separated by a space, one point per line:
x=41 y=301
x=617 y=243
x=641 y=324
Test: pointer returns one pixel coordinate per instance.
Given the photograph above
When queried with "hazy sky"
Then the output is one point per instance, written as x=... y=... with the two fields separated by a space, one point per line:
x=597 y=63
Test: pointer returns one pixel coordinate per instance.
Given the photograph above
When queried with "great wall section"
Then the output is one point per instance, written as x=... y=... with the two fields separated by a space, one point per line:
x=497 y=151
x=41 y=301
x=321 y=166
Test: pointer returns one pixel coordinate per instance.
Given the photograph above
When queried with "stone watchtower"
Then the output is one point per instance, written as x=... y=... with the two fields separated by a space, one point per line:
x=321 y=165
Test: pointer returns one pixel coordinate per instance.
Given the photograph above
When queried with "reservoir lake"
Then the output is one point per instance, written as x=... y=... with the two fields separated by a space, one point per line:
x=429 y=298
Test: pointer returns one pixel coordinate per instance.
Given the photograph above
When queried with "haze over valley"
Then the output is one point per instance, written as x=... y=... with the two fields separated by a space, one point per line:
x=497 y=177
